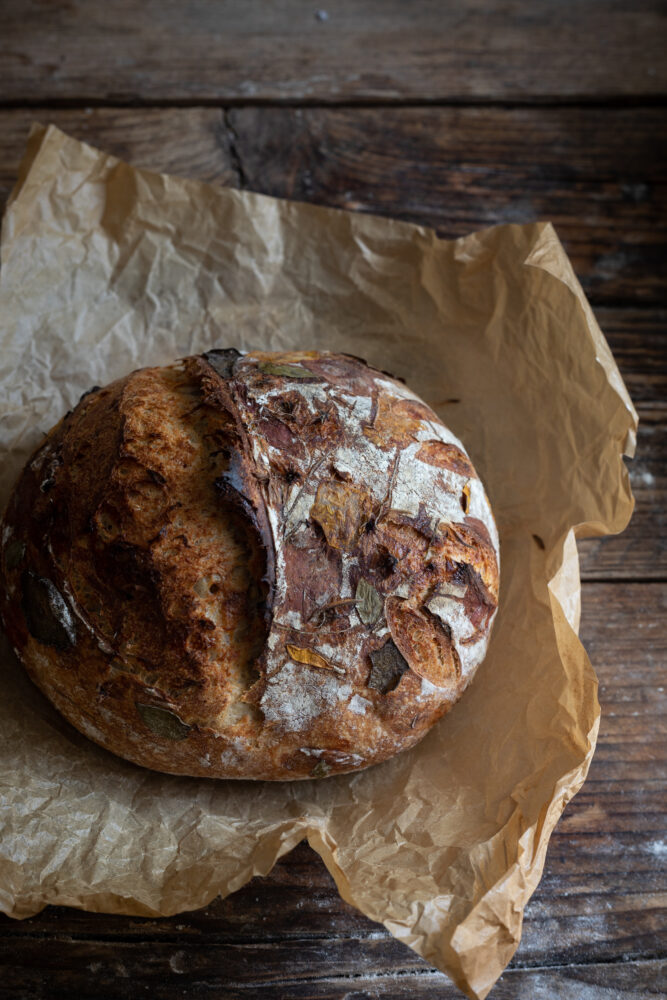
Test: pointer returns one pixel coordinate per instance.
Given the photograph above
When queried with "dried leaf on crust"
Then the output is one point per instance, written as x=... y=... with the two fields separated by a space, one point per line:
x=288 y=371
x=397 y=421
x=387 y=668
x=425 y=642
x=312 y=658
x=368 y=602
x=162 y=722
x=321 y=770
x=341 y=510
x=464 y=544
x=311 y=420
x=446 y=456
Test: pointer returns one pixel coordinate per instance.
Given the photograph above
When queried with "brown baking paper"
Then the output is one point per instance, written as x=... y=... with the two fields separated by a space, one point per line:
x=106 y=268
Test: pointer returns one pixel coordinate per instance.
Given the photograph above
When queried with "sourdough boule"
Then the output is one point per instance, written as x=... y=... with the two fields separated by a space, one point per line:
x=255 y=565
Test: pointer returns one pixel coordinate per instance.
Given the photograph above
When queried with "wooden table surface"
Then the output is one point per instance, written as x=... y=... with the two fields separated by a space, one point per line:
x=457 y=116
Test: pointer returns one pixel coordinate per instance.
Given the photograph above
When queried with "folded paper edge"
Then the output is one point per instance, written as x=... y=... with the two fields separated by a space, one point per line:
x=284 y=838
x=549 y=255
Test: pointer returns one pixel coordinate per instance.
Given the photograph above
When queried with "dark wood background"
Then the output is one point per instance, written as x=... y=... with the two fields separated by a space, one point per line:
x=455 y=115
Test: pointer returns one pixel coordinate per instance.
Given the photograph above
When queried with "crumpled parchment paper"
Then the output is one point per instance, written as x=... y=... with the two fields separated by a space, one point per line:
x=105 y=268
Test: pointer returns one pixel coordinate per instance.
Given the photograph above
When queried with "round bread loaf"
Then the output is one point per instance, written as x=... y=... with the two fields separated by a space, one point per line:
x=268 y=566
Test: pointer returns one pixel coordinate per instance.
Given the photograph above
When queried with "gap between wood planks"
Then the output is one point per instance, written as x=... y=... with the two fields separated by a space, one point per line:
x=347 y=104
x=597 y=175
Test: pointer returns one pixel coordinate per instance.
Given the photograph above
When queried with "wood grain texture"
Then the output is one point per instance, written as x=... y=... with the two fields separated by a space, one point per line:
x=639 y=552
x=603 y=894
x=163 y=972
x=352 y=50
x=600 y=175
x=192 y=142
x=638 y=339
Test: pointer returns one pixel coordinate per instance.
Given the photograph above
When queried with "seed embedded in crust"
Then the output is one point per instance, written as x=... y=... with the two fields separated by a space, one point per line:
x=388 y=666
x=162 y=722
x=47 y=615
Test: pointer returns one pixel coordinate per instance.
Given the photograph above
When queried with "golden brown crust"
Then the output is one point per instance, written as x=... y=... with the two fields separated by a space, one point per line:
x=251 y=566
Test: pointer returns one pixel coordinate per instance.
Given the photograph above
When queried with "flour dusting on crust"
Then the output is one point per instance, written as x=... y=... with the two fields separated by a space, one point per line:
x=280 y=565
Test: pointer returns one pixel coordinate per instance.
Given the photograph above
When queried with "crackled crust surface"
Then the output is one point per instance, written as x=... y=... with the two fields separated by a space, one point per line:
x=251 y=566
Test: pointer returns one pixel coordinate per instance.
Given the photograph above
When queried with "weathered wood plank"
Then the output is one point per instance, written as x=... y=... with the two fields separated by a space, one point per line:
x=598 y=174
x=640 y=552
x=602 y=896
x=192 y=142
x=90 y=970
x=638 y=339
x=348 y=51
x=604 y=891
